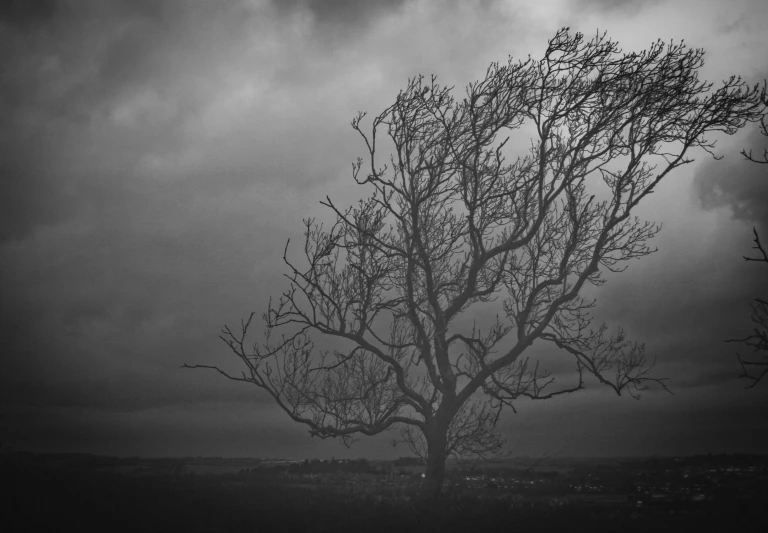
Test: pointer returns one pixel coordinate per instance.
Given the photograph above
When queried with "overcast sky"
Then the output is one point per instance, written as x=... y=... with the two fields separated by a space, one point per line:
x=156 y=155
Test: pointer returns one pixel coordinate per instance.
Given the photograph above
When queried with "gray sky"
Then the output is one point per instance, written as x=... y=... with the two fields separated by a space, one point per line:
x=157 y=155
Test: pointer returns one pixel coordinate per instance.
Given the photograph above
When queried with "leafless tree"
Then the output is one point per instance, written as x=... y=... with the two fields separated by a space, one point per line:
x=756 y=366
x=451 y=224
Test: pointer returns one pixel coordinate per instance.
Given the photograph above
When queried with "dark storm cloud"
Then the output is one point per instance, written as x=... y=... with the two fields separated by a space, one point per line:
x=145 y=204
x=685 y=302
x=336 y=23
x=96 y=317
x=342 y=13
x=215 y=429
x=626 y=7
x=28 y=13
x=48 y=97
x=91 y=96
x=739 y=185
x=598 y=423
x=129 y=393
x=157 y=156
x=24 y=204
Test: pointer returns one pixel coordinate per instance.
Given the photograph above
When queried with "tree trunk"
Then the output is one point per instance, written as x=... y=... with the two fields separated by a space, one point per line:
x=436 y=456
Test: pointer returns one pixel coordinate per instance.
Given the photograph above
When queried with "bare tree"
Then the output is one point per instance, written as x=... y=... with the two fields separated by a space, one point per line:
x=450 y=225
x=756 y=366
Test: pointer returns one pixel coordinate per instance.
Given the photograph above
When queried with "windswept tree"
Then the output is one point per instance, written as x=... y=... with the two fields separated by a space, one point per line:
x=454 y=223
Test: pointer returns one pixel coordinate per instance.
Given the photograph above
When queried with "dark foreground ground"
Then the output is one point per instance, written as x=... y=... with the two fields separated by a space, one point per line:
x=45 y=497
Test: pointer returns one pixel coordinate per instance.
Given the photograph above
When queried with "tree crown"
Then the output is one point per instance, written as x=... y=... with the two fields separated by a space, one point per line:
x=453 y=222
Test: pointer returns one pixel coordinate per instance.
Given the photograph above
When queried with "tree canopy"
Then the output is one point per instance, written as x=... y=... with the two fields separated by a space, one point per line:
x=454 y=222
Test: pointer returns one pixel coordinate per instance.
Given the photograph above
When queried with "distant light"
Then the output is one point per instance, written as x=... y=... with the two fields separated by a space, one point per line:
x=423 y=475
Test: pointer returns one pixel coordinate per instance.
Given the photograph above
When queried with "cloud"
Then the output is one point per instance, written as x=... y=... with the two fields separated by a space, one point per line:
x=24 y=14
x=341 y=15
x=689 y=298
x=142 y=92
x=625 y=7
x=158 y=155
x=738 y=184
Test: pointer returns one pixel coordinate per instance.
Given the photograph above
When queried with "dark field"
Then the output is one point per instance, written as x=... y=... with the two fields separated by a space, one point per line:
x=89 y=493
